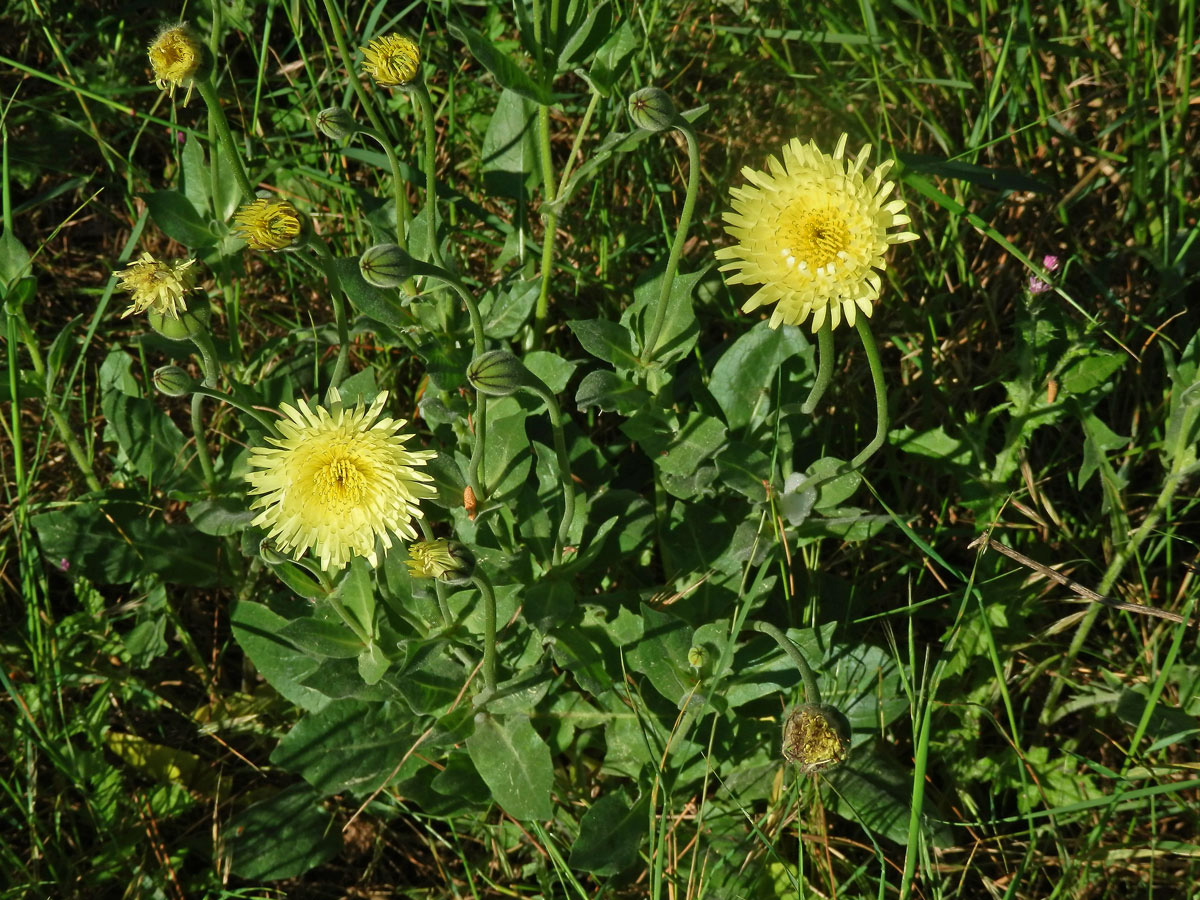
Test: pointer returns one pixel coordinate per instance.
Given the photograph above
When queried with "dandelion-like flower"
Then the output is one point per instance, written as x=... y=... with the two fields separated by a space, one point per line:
x=267 y=224
x=812 y=231
x=175 y=56
x=160 y=286
x=338 y=480
x=449 y=561
x=391 y=60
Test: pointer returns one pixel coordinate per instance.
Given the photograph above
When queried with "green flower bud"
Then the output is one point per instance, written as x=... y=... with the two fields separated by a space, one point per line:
x=816 y=737
x=336 y=123
x=173 y=381
x=180 y=327
x=697 y=657
x=497 y=373
x=269 y=555
x=387 y=266
x=651 y=109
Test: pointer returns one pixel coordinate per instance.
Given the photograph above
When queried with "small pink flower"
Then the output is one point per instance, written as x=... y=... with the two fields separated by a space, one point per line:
x=64 y=564
x=1036 y=285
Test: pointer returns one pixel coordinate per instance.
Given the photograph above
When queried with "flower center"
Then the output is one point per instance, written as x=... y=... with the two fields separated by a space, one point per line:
x=814 y=238
x=340 y=482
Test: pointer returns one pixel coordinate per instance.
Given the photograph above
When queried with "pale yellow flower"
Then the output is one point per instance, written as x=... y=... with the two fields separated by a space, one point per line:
x=337 y=481
x=176 y=56
x=449 y=561
x=813 y=231
x=267 y=224
x=161 y=286
x=391 y=60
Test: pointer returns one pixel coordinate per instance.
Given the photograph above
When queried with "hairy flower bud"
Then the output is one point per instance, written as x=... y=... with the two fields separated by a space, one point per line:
x=651 y=109
x=387 y=265
x=448 y=561
x=816 y=737
x=497 y=373
x=392 y=60
x=177 y=58
x=173 y=381
x=336 y=123
x=268 y=224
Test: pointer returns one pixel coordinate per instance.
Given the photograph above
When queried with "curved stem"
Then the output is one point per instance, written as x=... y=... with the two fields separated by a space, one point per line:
x=477 y=450
x=564 y=469
x=339 y=37
x=685 y=219
x=345 y=616
x=208 y=356
x=399 y=197
x=489 y=631
x=550 y=218
x=236 y=404
x=217 y=115
x=198 y=433
x=339 y=309
x=812 y=693
x=881 y=410
x=430 y=160
x=824 y=368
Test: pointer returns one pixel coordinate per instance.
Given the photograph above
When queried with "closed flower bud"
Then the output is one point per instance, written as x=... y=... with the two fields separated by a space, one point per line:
x=173 y=381
x=816 y=737
x=448 y=561
x=697 y=657
x=336 y=123
x=497 y=373
x=387 y=265
x=651 y=109
x=181 y=327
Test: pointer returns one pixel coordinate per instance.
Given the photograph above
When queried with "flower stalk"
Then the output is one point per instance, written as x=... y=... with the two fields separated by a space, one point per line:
x=881 y=406
x=824 y=368
x=216 y=115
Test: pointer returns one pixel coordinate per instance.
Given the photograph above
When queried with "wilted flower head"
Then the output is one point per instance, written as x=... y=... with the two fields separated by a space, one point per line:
x=449 y=561
x=391 y=60
x=160 y=286
x=176 y=56
x=1036 y=285
x=815 y=737
x=812 y=231
x=338 y=480
x=267 y=224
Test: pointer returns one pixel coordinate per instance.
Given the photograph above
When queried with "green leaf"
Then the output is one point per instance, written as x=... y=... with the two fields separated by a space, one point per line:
x=505 y=315
x=507 y=461
x=194 y=180
x=585 y=37
x=506 y=72
x=551 y=368
x=282 y=836
x=257 y=629
x=382 y=306
x=221 y=516
x=680 y=330
x=514 y=762
x=605 y=340
x=14 y=260
x=610 y=834
x=697 y=439
x=744 y=376
x=662 y=654
x=175 y=215
x=1098 y=440
x=356 y=593
x=1091 y=371
x=610 y=392
x=934 y=444
x=372 y=663
x=745 y=469
x=155 y=446
x=321 y=639
x=984 y=176
x=351 y=745
x=508 y=156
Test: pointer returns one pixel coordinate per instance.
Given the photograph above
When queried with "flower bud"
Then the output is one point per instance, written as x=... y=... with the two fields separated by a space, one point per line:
x=177 y=58
x=651 y=109
x=173 y=381
x=697 y=657
x=816 y=737
x=392 y=60
x=497 y=373
x=336 y=123
x=268 y=224
x=181 y=327
x=448 y=561
x=387 y=266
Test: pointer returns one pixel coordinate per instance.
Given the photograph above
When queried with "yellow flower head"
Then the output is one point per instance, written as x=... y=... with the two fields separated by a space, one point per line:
x=449 y=561
x=160 y=286
x=337 y=480
x=391 y=60
x=175 y=56
x=267 y=224
x=816 y=737
x=812 y=231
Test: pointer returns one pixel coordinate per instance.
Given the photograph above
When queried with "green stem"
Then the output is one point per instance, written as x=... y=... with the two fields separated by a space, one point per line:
x=217 y=115
x=439 y=587
x=824 y=368
x=477 y=450
x=400 y=198
x=345 y=616
x=198 y=432
x=881 y=410
x=339 y=37
x=208 y=357
x=489 y=631
x=685 y=220
x=569 y=167
x=52 y=407
x=236 y=404
x=334 y=284
x=550 y=218
x=564 y=469
x=812 y=693
x=430 y=160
